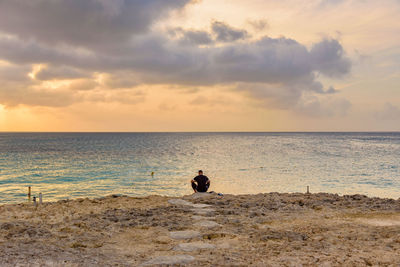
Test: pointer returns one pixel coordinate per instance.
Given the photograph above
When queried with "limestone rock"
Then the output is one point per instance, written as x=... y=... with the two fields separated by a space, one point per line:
x=184 y=234
x=203 y=211
x=194 y=246
x=169 y=260
x=198 y=218
x=200 y=206
x=207 y=224
x=179 y=202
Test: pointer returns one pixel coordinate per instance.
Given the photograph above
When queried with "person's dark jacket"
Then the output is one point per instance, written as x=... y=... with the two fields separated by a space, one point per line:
x=202 y=184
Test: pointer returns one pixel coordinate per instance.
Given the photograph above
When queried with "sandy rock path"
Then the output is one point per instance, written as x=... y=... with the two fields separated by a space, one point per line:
x=202 y=220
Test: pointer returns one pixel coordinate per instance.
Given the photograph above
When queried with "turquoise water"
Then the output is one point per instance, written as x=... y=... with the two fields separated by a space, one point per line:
x=71 y=165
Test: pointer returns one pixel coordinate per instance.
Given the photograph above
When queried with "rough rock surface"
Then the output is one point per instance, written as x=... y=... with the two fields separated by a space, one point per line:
x=198 y=217
x=184 y=234
x=169 y=260
x=206 y=211
x=207 y=224
x=194 y=246
x=179 y=202
x=258 y=230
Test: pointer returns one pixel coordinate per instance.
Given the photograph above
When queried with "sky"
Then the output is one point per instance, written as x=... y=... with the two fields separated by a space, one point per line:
x=199 y=65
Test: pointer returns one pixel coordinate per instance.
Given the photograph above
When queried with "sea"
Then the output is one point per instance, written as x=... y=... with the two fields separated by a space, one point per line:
x=80 y=165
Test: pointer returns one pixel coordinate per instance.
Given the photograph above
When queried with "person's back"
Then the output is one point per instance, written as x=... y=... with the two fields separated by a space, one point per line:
x=203 y=183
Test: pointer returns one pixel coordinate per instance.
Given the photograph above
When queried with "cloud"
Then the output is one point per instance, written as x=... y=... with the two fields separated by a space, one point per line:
x=210 y=101
x=167 y=107
x=328 y=3
x=325 y=107
x=115 y=40
x=389 y=112
x=60 y=72
x=120 y=81
x=14 y=94
x=226 y=33
x=328 y=57
x=19 y=51
x=331 y=90
x=219 y=32
x=121 y=96
x=258 y=25
x=82 y=23
x=268 y=60
x=14 y=73
x=82 y=85
x=193 y=37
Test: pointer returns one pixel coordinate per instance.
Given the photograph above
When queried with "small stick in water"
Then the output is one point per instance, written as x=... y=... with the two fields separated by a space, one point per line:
x=29 y=193
x=308 y=189
x=40 y=198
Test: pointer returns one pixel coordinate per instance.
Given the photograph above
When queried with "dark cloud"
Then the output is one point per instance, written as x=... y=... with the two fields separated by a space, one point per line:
x=82 y=23
x=258 y=25
x=155 y=59
x=120 y=80
x=193 y=37
x=60 y=72
x=328 y=58
x=21 y=52
x=220 y=32
x=198 y=37
x=114 y=37
x=331 y=90
x=226 y=33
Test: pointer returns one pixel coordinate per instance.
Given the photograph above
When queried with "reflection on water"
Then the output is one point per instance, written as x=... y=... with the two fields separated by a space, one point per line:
x=70 y=165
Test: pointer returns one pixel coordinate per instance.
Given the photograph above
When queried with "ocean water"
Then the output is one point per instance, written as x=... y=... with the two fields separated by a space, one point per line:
x=72 y=165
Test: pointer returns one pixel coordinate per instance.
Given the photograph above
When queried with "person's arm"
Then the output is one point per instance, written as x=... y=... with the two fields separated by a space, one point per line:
x=208 y=181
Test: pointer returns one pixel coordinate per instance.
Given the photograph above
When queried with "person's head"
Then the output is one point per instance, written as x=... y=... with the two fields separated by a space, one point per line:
x=200 y=172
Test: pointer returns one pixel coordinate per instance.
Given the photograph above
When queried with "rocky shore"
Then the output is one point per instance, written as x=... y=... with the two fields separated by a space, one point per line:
x=271 y=229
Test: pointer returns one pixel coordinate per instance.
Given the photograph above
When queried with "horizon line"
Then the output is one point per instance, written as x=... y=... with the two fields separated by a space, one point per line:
x=395 y=131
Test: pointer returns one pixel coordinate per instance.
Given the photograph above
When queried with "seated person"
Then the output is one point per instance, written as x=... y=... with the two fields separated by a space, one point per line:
x=203 y=183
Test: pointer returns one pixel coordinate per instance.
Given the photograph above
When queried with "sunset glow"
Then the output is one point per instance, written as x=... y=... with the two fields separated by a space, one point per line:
x=211 y=65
